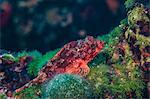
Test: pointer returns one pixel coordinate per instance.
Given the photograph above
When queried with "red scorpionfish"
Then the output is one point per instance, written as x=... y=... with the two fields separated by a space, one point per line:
x=71 y=59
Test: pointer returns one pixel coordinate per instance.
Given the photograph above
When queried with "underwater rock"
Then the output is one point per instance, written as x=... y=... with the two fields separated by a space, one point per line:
x=136 y=15
x=13 y=73
x=115 y=74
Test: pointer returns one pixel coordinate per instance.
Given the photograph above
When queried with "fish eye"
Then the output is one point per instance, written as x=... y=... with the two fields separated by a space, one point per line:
x=93 y=46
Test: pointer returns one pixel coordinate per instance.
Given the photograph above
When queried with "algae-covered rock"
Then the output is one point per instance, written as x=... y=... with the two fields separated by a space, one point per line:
x=66 y=86
x=32 y=92
x=138 y=14
x=36 y=65
x=99 y=77
x=129 y=3
x=112 y=81
x=3 y=96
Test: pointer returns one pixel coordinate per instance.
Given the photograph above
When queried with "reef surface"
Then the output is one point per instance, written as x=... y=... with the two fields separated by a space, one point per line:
x=113 y=66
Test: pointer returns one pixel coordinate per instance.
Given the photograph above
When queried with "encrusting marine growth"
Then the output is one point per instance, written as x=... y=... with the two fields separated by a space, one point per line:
x=86 y=68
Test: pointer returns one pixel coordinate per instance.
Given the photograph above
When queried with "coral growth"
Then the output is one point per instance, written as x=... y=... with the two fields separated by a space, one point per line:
x=120 y=71
x=36 y=65
x=66 y=86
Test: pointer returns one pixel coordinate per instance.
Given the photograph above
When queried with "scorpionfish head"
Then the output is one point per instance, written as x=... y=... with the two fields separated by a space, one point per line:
x=94 y=47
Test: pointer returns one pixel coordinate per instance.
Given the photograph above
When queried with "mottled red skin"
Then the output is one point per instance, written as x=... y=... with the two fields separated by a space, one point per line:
x=71 y=59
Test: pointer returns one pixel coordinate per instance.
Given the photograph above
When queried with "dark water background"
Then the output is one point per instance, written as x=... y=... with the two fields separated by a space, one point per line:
x=48 y=24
